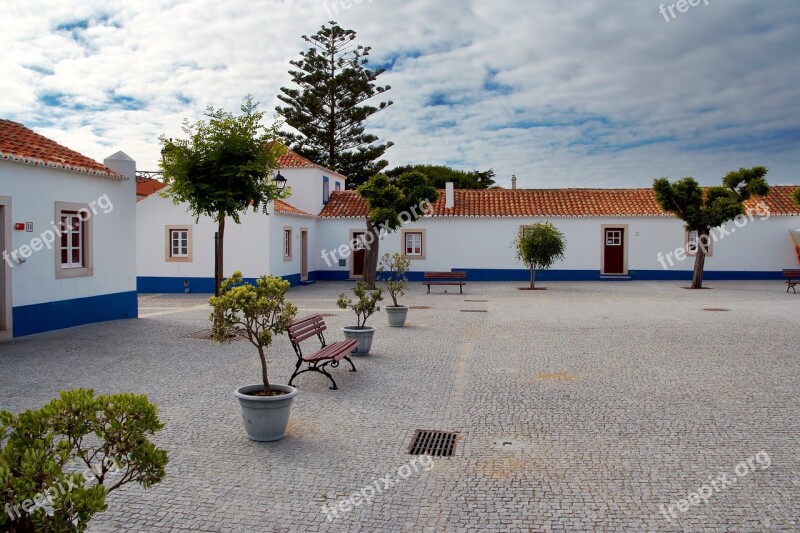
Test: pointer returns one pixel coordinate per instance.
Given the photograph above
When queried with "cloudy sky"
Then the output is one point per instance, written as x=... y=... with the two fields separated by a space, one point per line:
x=561 y=93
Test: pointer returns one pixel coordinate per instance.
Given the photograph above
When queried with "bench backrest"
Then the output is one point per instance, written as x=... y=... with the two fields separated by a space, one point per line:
x=791 y=273
x=306 y=327
x=444 y=275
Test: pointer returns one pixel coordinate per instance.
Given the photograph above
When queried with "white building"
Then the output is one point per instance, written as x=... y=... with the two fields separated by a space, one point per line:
x=175 y=252
x=66 y=235
x=610 y=234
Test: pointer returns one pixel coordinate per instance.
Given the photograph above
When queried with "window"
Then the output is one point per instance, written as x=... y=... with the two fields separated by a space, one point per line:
x=613 y=237
x=338 y=186
x=178 y=244
x=326 y=189
x=693 y=242
x=74 y=252
x=413 y=242
x=287 y=244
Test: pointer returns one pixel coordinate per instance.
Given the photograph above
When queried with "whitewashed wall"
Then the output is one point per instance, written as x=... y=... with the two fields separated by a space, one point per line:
x=306 y=186
x=34 y=191
x=280 y=267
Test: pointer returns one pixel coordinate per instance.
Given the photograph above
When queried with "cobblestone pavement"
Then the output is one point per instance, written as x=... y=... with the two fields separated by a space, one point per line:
x=586 y=406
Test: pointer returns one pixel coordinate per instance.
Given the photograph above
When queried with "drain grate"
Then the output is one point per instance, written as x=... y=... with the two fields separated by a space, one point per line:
x=474 y=311
x=419 y=307
x=433 y=443
x=325 y=315
x=715 y=309
x=476 y=300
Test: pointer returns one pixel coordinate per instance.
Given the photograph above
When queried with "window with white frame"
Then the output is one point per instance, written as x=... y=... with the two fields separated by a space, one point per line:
x=287 y=244
x=178 y=248
x=179 y=242
x=613 y=237
x=74 y=250
x=73 y=237
x=414 y=244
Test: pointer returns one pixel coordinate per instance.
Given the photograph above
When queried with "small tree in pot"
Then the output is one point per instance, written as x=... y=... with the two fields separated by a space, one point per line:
x=393 y=268
x=257 y=313
x=364 y=306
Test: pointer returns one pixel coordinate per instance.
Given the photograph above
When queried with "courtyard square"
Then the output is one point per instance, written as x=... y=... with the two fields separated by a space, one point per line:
x=586 y=406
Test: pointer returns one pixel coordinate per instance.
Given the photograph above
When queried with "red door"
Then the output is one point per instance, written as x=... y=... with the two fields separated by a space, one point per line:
x=614 y=242
x=359 y=252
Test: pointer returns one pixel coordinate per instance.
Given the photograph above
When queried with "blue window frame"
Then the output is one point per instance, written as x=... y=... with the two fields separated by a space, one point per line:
x=326 y=189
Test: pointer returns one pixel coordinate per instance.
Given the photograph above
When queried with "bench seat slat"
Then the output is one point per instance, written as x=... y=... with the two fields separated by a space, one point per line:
x=334 y=351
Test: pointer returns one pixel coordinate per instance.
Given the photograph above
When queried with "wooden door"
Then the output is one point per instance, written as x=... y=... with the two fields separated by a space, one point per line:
x=359 y=252
x=614 y=243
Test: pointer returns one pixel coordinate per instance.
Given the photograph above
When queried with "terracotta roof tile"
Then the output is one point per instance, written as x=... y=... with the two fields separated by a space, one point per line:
x=22 y=144
x=291 y=159
x=145 y=188
x=286 y=209
x=552 y=203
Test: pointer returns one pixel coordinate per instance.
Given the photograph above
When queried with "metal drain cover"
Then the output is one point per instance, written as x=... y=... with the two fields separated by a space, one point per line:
x=433 y=443
x=419 y=307
x=474 y=311
x=715 y=309
x=476 y=300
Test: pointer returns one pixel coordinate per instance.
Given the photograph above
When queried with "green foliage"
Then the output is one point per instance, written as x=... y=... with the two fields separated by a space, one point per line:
x=439 y=175
x=224 y=166
x=393 y=268
x=365 y=303
x=256 y=312
x=796 y=196
x=702 y=210
x=388 y=199
x=58 y=463
x=328 y=108
x=539 y=246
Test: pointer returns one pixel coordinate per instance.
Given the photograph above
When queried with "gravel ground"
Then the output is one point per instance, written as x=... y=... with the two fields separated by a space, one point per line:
x=583 y=407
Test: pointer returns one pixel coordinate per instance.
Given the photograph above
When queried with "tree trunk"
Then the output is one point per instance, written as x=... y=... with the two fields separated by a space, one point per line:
x=218 y=275
x=699 y=260
x=533 y=277
x=372 y=256
x=264 y=376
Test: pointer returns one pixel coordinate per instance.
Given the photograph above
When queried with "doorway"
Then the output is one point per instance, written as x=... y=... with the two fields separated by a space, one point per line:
x=615 y=256
x=303 y=254
x=357 y=257
x=5 y=267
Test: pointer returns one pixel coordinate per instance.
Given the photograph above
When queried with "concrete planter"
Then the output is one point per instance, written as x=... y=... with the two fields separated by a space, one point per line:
x=265 y=417
x=396 y=315
x=362 y=335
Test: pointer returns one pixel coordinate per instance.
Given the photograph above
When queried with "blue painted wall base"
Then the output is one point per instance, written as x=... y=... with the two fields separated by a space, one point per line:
x=38 y=318
x=149 y=284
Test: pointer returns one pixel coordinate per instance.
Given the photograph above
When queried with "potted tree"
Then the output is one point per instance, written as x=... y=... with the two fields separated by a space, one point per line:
x=393 y=268
x=539 y=246
x=257 y=313
x=364 y=306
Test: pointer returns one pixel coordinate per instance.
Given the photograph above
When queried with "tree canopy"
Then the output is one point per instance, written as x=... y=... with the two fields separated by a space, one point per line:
x=703 y=209
x=328 y=108
x=539 y=246
x=441 y=174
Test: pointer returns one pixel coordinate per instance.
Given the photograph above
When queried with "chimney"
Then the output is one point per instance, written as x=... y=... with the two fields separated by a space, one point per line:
x=449 y=195
x=513 y=182
x=122 y=164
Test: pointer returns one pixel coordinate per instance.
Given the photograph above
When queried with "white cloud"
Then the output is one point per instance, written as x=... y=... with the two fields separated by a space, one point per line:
x=580 y=93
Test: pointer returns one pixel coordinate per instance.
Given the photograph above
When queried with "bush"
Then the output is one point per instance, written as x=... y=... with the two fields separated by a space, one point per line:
x=393 y=268
x=365 y=304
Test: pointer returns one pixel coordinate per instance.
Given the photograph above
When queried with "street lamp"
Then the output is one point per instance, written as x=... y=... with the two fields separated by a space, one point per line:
x=166 y=153
x=279 y=182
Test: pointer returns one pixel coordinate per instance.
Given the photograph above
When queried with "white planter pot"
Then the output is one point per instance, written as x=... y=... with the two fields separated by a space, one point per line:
x=396 y=315
x=362 y=335
x=265 y=417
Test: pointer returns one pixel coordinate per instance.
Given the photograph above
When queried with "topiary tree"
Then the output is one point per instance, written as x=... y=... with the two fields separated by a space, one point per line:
x=702 y=209
x=58 y=463
x=391 y=204
x=256 y=312
x=539 y=246
x=222 y=169
x=796 y=196
x=393 y=268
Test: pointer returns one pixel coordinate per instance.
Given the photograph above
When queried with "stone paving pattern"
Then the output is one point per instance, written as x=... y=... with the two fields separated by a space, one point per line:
x=583 y=407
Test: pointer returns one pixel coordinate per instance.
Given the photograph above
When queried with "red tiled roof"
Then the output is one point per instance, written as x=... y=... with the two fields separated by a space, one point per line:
x=552 y=203
x=286 y=209
x=291 y=159
x=145 y=188
x=22 y=144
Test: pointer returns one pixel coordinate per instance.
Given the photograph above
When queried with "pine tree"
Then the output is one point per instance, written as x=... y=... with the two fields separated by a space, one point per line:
x=328 y=109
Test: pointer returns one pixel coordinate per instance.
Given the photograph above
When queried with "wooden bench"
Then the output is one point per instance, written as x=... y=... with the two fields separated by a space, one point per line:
x=445 y=278
x=792 y=279
x=328 y=355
